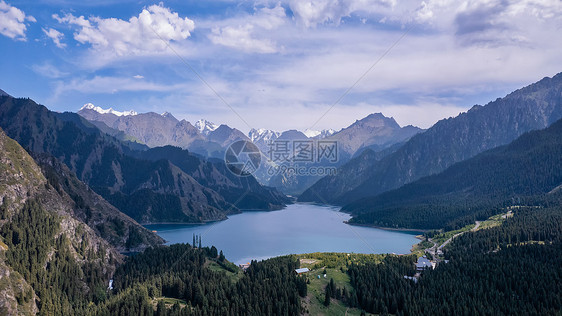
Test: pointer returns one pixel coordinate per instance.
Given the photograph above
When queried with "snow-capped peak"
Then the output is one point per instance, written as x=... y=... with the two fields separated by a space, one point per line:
x=319 y=134
x=205 y=127
x=262 y=134
x=90 y=106
x=311 y=133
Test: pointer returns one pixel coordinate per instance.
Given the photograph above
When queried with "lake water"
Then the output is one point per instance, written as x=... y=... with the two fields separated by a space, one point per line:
x=298 y=228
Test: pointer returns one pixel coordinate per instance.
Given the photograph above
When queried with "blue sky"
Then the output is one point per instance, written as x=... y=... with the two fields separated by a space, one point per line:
x=278 y=64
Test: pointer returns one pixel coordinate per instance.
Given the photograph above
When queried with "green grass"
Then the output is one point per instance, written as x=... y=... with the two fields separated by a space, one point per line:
x=419 y=248
x=169 y=301
x=334 y=263
x=495 y=220
x=316 y=293
x=441 y=238
x=214 y=266
x=337 y=259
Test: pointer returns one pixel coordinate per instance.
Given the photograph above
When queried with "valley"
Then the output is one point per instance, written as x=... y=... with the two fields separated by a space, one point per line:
x=287 y=158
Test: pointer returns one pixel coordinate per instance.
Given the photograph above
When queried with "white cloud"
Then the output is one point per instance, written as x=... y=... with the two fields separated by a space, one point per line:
x=241 y=38
x=12 y=21
x=138 y=77
x=56 y=36
x=49 y=71
x=459 y=53
x=108 y=85
x=247 y=33
x=149 y=33
x=310 y=13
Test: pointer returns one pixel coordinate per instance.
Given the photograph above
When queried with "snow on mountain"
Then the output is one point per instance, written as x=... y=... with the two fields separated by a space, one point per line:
x=205 y=127
x=311 y=133
x=262 y=134
x=90 y=106
x=319 y=134
x=326 y=133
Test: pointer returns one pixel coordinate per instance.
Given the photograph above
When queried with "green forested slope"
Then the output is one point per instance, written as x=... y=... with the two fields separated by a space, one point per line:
x=526 y=171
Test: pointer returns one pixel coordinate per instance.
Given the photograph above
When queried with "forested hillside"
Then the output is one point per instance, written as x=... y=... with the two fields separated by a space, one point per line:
x=50 y=261
x=512 y=269
x=267 y=288
x=527 y=171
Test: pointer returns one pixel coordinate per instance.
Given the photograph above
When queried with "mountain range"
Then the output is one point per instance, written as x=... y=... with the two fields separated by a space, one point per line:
x=211 y=140
x=73 y=191
x=147 y=189
x=445 y=143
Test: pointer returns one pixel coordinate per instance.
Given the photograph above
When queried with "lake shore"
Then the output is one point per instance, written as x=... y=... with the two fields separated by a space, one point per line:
x=299 y=228
x=414 y=230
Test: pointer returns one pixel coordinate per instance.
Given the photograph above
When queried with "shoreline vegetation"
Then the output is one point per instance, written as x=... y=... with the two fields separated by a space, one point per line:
x=415 y=230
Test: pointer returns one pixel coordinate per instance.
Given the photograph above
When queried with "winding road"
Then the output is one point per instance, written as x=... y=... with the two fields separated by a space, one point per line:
x=434 y=249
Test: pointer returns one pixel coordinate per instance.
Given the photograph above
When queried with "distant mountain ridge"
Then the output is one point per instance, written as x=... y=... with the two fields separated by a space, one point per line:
x=90 y=106
x=448 y=141
x=375 y=132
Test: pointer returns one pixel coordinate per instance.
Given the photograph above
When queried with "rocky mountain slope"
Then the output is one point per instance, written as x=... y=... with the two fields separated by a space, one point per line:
x=45 y=250
x=375 y=131
x=122 y=232
x=447 y=142
x=148 y=191
x=153 y=129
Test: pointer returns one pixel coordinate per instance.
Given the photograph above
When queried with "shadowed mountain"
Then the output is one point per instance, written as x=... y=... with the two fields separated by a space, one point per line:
x=528 y=167
x=375 y=131
x=447 y=142
x=146 y=190
x=46 y=251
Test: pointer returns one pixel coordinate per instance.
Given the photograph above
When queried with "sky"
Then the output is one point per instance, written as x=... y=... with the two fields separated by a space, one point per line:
x=293 y=64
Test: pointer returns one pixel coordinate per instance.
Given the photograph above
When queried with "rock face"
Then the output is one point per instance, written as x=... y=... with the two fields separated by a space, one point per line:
x=121 y=231
x=151 y=128
x=205 y=127
x=155 y=130
x=447 y=142
x=33 y=212
x=225 y=135
x=262 y=137
x=375 y=131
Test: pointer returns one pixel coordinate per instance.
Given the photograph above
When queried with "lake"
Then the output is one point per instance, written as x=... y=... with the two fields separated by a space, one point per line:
x=298 y=228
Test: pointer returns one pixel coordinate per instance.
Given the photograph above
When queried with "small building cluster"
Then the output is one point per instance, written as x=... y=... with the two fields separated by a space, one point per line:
x=301 y=270
x=425 y=264
x=244 y=266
